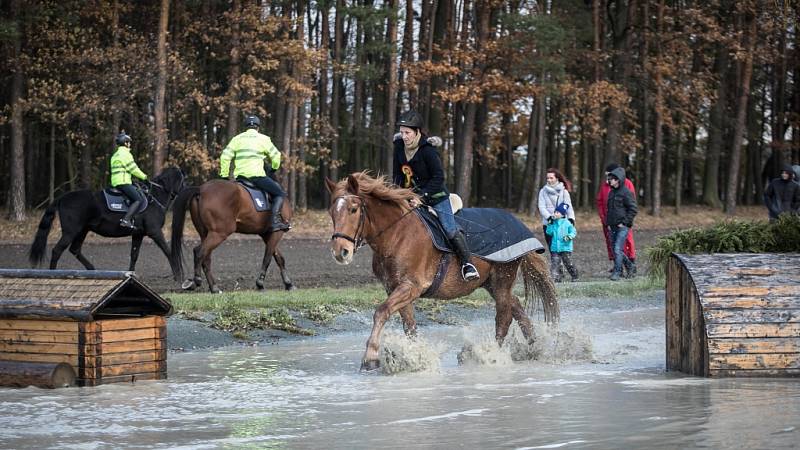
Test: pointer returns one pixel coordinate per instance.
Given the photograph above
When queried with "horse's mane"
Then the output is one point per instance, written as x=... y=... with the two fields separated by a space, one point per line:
x=377 y=187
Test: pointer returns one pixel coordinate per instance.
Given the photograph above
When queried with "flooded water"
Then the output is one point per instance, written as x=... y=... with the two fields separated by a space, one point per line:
x=601 y=385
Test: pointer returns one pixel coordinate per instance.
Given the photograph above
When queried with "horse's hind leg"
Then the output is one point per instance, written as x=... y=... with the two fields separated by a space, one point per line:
x=75 y=249
x=507 y=305
x=58 y=249
x=205 y=248
x=287 y=282
x=409 y=323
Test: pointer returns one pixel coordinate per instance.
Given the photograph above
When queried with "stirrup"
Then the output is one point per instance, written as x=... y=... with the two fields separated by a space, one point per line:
x=124 y=223
x=469 y=272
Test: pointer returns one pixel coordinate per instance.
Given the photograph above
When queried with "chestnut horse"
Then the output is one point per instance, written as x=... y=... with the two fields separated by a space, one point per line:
x=369 y=210
x=220 y=208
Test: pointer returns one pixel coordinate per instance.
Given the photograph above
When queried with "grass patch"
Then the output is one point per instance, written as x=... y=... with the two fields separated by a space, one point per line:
x=234 y=319
x=609 y=289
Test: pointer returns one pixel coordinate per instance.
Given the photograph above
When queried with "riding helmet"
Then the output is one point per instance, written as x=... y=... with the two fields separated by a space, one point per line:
x=252 y=122
x=123 y=139
x=411 y=119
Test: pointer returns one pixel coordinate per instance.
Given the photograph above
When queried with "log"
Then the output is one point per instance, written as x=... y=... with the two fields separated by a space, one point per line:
x=44 y=375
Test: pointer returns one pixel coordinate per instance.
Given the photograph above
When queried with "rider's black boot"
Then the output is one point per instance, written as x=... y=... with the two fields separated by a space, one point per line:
x=468 y=271
x=277 y=221
x=127 y=222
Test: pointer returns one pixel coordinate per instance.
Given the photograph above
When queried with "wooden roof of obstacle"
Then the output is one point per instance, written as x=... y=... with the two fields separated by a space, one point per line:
x=76 y=295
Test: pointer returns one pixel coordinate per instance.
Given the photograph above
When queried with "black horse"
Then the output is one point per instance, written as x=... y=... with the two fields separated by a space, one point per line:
x=83 y=211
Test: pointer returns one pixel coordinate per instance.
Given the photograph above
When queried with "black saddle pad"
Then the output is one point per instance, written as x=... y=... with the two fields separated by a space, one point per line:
x=492 y=234
x=260 y=199
x=116 y=201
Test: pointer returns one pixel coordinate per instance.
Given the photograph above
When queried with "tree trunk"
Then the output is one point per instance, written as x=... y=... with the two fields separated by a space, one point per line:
x=408 y=55
x=16 y=211
x=539 y=167
x=529 y=160
x=659 y=107
x=716 y=133
x=391 y=88
x=234 y=73
x=160 y=149
x=337 y=77
x=325 y=46
x=51 y=188
x=622 y=69
x=741 y=115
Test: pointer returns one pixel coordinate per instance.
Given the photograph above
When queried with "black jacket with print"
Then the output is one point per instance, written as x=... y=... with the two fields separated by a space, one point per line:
x=426 y=175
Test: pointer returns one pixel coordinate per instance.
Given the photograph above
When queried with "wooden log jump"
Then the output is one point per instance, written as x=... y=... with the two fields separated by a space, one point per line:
x=44 y=375
x=734 y=314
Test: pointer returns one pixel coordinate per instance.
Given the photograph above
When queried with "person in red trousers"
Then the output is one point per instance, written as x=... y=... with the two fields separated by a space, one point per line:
x=602 y=210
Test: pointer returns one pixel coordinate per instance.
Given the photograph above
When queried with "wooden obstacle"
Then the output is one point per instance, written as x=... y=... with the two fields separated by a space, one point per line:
x=107 y=326
x=734 y=315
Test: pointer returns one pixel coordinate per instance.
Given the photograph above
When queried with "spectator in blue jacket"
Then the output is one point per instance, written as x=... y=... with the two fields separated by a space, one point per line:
x=562 y=232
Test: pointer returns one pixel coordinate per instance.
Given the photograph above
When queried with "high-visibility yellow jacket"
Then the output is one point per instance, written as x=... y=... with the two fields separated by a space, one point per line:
x=247 y=150
x=123 y=166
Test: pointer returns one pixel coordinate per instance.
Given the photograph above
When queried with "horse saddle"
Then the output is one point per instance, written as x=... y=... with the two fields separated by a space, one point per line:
x=260 y=199
x=492 y=234
x=116 y=201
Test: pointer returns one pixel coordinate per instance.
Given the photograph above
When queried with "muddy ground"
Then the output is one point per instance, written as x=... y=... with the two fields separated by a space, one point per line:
x=237 y=261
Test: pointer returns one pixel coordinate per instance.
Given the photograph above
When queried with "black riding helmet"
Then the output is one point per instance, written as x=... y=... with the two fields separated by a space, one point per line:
x=411 y=119
x=252 y=122
x=123 y=139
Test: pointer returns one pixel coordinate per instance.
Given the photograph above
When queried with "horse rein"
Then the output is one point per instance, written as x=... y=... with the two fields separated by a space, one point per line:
x=172 y=194
x=359 y=238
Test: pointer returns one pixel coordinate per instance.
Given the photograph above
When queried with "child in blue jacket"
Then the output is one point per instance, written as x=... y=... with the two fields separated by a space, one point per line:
x=563 y=232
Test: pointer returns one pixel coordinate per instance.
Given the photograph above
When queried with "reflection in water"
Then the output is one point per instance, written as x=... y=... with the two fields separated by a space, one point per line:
x=601 y=383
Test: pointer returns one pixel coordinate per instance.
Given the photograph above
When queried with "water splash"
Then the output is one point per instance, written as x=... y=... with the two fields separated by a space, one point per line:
x=550 y=344
x=400 y=354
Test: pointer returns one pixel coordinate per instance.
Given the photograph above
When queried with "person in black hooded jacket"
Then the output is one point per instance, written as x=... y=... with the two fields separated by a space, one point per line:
x=622 y=210
x=783 y=194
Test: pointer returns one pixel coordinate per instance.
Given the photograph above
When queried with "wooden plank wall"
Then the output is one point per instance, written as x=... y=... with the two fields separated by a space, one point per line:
x=103 y=351
x=749 y=305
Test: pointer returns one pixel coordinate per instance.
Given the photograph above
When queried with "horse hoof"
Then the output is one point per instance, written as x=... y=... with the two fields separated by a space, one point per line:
x=215 y=290
x=260 y=285
x=289 y=287
x=187 y=285
x=370 y=366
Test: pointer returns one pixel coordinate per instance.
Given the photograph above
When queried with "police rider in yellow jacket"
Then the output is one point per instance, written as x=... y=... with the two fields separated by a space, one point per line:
x=248 y=151
x=123 y=167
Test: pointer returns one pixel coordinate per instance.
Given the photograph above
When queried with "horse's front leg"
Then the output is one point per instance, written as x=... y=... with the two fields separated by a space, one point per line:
x=158 y=237
x=136 y=245
x=402 y=296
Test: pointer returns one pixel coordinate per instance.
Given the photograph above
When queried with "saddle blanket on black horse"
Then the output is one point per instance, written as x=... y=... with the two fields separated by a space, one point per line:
x=492 y=234
x=116 y=201
x=260 y=199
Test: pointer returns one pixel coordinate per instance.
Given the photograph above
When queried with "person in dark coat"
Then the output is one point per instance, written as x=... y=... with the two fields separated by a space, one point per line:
x=417 y=166
x=783 y=194
x=620 y=212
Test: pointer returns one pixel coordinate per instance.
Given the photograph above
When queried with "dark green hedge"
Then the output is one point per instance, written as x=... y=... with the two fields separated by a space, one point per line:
x=734 y=236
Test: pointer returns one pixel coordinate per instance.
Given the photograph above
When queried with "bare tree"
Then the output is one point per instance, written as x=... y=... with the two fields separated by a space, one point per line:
x=160 y=149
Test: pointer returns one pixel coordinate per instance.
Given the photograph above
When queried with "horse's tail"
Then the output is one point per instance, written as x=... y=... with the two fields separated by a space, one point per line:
x=178 y=220
x=36 y=252
x=539 y=287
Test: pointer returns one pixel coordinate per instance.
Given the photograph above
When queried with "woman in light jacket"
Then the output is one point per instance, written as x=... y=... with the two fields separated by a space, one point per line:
x=553 y=193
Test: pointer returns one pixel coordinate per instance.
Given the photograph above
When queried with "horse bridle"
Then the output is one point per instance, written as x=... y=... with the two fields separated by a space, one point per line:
x=172 y=194
x=359 y=239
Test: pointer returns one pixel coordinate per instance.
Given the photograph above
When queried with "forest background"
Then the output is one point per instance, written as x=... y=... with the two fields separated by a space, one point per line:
x=698 y=100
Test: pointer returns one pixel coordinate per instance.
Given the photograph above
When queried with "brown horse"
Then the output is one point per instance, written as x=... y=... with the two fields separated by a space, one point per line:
x=367 y=209
x=220 y=208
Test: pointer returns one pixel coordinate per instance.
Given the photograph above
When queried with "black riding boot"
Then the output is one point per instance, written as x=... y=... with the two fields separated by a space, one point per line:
x=277 y=223
x=126 y=221
x=468 y=271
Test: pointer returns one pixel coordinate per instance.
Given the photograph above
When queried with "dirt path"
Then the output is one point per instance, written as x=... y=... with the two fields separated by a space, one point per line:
x=236 y=262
